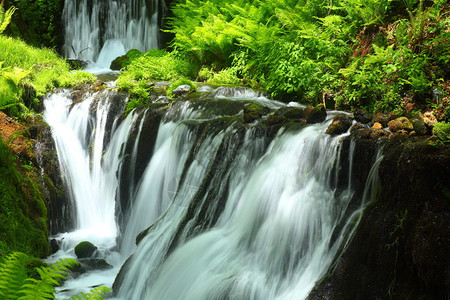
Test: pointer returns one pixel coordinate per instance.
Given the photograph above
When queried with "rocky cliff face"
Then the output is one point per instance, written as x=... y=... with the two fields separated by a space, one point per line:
x=400 y=250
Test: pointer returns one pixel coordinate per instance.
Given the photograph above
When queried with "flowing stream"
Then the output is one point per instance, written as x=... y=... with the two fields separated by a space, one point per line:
x=99 y=31
x=231 y=211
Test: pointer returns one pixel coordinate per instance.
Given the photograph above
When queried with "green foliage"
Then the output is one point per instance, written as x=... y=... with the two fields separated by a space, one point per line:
x=15 y=283
x=5 y=17
x=38 y=22
x=23 y=214
x=153 y=65
x=179 y=82
x=49 y=277
x=125 y=60
x=95 y=294
x=303 y=49
x=41 y=69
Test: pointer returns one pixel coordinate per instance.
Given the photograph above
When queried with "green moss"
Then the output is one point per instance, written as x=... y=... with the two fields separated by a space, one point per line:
x=41 y=70
x=442 y=131
x=154 y=65
x=23 y=214
x=125 y=60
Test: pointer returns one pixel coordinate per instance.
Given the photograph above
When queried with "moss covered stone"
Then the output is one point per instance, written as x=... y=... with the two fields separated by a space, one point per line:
x=85 y=249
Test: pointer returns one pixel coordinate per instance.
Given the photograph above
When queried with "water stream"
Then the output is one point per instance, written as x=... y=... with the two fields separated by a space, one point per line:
x=235 y=211
x=99 y=31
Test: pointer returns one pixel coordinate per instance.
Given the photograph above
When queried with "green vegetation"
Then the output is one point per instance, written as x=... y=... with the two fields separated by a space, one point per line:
x=23 y=214
x=20 y=280
x=38 y=23
x=155 y=65
x=376 y=54
x=124 y=60
x=28 y=73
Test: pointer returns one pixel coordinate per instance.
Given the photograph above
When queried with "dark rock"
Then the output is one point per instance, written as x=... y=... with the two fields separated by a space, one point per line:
x=315 y=114
x=329 y=101
x=274 y=120
x=85 y=249
x=419 y=125
x=291 y=112
x=400 y=248
x=362 y=116
x=54 y=246
x=383 y=118
x=253 y=111
x=341 y=123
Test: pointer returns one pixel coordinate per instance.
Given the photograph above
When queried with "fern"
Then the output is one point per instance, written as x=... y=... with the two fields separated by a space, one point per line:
x=95 y=294
x=9 y=281
x=5 y=17
x=44 y=288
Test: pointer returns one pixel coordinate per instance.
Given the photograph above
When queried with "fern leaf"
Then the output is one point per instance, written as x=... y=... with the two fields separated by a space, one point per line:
x=9 y=282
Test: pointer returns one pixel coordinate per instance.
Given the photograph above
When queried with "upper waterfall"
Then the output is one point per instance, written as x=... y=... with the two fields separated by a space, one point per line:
x=99 y=31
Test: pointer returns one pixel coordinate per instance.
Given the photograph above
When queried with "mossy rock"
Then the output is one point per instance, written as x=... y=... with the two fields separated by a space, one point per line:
x=85 y=249
x=442 y=131
x=124 y=60
x=341 y=123
x=315 y=114
x=253 y=111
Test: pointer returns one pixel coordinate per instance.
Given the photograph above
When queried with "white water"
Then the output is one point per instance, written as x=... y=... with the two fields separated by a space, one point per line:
x=272 y=240
x=100 y=31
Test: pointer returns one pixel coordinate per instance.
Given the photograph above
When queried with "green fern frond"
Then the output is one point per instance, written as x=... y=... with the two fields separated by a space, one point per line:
x=9 y=281
x=95 y=294
x=5 y=17
x=49 y=278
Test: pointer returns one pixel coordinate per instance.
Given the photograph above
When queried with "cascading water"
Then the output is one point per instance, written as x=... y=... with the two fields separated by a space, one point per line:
x=236 y=212
x=100 y=31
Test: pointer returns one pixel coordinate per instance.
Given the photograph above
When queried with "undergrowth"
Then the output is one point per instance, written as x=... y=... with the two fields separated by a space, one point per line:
x=20 y=280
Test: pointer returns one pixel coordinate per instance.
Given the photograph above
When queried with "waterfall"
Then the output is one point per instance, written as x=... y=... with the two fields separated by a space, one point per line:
x=100 y=31
x=226 y=210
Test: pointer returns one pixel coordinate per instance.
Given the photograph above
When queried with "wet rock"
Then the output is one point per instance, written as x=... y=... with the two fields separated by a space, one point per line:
x=274 y=120
x=291 y=112
x=341 y=123
x=85 y=249
x=383 y=118
x=54 y=246
x=182 y=90
x=253 y=111
x=90 y=264
x=362 y=116
x=401 y=244
x=315 y=114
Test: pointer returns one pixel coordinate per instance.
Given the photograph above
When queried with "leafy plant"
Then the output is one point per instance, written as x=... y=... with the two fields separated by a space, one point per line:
x=14 y=286
x=5 y=17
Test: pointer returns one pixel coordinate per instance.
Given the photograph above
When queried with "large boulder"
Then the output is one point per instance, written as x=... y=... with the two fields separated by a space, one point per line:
x=341 y=123
x=291 y=112
x=315 y=114
x=85 y=249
